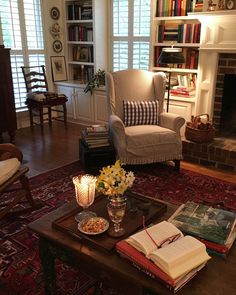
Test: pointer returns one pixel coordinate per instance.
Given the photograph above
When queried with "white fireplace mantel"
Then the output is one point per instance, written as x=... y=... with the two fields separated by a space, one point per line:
x=218 y=35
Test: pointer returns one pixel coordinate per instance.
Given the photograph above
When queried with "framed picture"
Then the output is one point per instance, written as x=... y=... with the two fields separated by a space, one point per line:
x=58 y=68
x=83 y=54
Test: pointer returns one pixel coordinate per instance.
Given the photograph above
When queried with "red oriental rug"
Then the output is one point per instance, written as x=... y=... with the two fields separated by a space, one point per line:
x=20 y=268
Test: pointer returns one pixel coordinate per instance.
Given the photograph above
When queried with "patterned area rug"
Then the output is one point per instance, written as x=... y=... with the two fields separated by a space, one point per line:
x=20 y=269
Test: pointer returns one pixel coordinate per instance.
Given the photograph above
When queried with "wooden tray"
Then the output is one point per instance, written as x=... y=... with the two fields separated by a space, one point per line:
x=132 y=221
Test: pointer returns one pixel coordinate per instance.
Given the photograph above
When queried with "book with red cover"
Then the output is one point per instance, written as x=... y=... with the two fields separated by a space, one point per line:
x=147 y=266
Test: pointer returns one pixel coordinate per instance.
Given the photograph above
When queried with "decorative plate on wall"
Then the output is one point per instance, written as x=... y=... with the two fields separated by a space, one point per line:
x=57 y=46
x=230 y=4
x=55 y=13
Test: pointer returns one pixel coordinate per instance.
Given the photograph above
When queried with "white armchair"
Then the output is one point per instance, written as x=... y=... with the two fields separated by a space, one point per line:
x=142 y=144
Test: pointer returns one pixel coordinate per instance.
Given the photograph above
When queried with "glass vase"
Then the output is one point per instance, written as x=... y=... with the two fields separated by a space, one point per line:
x=116 y=210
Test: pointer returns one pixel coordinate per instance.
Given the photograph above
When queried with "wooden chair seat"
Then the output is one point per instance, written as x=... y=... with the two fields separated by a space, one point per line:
x=36 y=83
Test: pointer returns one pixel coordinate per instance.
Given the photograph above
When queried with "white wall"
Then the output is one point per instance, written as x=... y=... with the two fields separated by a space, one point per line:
x=47 y=23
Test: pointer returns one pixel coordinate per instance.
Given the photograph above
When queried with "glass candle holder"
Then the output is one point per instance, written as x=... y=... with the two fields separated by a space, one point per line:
x=85 y=193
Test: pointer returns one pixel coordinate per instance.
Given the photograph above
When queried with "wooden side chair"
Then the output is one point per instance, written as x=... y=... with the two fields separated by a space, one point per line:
x=13 y=178
x=40 y=99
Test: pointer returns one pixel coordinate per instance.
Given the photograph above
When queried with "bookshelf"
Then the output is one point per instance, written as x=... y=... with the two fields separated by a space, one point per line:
x=86 y=52
x=172 y=26
x=85 y=55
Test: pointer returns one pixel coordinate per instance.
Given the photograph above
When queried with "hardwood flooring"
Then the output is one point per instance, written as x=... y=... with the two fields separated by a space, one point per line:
x=58 y=146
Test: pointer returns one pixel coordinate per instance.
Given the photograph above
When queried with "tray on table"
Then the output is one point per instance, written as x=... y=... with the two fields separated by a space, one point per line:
x=137 y=206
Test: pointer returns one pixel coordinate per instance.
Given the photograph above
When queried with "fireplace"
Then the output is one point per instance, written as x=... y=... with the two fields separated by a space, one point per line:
x=216 y=89
x=224 y=113
x=228 y=109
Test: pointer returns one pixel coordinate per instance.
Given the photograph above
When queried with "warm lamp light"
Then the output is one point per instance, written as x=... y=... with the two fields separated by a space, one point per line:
x=85 y=192
x=170 y=56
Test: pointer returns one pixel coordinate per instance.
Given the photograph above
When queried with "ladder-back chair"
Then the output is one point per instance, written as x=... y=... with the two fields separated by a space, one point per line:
x=39 y=98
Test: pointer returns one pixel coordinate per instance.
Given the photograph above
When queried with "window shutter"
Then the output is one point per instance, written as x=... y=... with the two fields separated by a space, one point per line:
x=131 y=34
x=22 y=28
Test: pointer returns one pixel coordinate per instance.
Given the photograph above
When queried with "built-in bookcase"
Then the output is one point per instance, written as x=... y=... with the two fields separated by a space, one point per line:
x=171 y=26
x=84 y=22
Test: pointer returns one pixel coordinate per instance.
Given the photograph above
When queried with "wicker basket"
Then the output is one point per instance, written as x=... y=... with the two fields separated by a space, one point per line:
x=199 y=135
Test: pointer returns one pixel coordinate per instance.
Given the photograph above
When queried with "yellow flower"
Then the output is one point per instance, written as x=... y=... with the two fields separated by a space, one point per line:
x=114 y=180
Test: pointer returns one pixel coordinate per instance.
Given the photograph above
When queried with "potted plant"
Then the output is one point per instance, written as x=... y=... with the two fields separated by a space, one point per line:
x=96 y=81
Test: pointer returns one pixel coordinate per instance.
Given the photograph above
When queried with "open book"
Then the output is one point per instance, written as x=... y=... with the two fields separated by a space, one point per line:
x=173 y=253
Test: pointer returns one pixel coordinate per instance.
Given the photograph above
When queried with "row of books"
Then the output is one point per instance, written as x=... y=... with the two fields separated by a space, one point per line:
x=95 y=136
x=190 y=56
x=187 y=80
x=82 y=53
x=184 y=80
x=177 y=7
x=83 y=73
x=80 y=33
x=79 y=12
x=179 y=33
x=174 y=251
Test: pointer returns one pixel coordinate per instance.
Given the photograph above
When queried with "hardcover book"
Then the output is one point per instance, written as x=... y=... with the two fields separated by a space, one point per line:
x=163 y=252
x=215 y=227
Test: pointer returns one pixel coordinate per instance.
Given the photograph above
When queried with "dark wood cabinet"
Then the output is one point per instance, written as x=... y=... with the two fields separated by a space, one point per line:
x=7 y=104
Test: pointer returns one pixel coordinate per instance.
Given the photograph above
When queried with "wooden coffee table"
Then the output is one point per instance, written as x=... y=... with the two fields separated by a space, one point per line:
x=217 y=278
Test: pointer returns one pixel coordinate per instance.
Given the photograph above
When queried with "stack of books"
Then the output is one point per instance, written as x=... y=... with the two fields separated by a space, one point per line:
x=165 y=254
x=216 y=228
x=183 y=91
x=95 y=136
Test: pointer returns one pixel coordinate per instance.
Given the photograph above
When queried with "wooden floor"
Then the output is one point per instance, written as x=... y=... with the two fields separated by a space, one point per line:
x=59 y=146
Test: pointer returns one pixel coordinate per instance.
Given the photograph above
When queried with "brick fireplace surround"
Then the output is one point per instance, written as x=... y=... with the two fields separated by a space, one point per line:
x=217 y=57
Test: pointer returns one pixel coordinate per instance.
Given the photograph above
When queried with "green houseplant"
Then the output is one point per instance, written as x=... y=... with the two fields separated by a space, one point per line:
x=97 y=80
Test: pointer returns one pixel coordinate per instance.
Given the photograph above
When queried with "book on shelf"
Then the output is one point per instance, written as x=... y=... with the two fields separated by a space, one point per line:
x=215 y=227
x=163 y=252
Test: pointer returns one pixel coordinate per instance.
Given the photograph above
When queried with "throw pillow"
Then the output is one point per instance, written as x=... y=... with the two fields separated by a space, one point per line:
x=140 y=112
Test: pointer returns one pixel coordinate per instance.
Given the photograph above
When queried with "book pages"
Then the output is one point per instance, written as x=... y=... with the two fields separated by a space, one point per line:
x=180 y=256
x=158 y=232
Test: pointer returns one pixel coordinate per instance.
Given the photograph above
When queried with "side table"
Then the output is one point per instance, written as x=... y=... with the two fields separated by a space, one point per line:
x=93 y=159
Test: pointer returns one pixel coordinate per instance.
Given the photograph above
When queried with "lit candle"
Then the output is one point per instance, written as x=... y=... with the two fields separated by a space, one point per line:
x=85 y=189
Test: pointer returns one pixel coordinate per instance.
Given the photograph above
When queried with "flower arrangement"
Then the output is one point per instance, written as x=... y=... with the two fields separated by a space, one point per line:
x=114 y=180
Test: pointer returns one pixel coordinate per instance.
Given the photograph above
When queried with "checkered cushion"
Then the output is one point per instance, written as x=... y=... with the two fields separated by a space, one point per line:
x=140 y=112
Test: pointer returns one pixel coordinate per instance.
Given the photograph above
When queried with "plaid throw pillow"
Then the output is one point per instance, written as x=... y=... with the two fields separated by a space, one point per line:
x=140 y=112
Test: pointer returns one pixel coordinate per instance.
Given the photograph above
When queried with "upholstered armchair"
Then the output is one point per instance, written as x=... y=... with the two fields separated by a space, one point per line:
x=11 y=173
x=141 y=131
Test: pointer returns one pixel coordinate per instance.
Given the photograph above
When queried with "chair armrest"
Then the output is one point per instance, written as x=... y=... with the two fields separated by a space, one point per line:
x=117 y=129
x=171 y=121
x=8 y=150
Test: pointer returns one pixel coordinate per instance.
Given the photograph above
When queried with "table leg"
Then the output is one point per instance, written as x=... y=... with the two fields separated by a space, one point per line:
x=48 y=265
